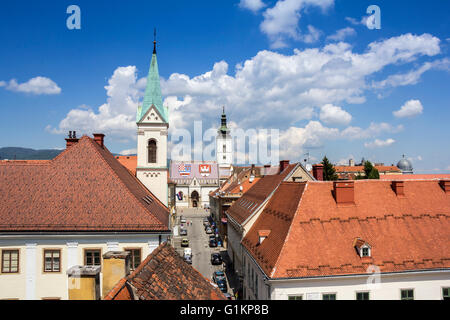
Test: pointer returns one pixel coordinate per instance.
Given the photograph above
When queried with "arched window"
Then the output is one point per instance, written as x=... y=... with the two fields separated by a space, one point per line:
x=151 y=151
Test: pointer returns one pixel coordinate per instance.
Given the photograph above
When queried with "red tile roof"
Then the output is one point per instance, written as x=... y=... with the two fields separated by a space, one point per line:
x=163 y=275
x=414 y=176
x=411 y=232
x=129 y=162
x=357 y=169
x=243 y=208
x=83 y=189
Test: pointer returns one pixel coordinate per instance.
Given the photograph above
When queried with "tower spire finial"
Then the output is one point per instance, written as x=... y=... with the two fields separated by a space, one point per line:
x=154 y=41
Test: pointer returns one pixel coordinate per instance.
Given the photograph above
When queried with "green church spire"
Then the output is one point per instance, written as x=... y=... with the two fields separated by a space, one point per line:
x=153 y=91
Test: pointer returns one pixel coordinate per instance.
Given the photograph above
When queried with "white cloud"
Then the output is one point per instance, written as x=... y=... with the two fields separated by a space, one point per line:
x=269 y=90
x=410 y=109
x=353 y=21
x=37 y=85
x=116 y=117
x=281 y=21
x=379 y=143
x=374 y=129
x=341 y=34
x=331 y=114
x=312 y=36
x=411 y=77
x=128 y=152
x=252 y=5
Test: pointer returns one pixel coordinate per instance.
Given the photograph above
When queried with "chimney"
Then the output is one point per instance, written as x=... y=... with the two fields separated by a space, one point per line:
x=266 y=169
x=252 y=174
x=318 y=171
x=445 y=185
x=99 y=138
x=72 y=139
x=398 y=187
x=344 y=192
x=262 y=235
x=84 y=282
x=283 y=165
x=116 y=265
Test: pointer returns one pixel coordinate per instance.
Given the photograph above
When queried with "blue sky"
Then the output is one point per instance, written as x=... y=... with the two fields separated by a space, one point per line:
x=310 y=68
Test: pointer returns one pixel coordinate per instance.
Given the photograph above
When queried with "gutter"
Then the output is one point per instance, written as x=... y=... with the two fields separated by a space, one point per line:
x=360 y=275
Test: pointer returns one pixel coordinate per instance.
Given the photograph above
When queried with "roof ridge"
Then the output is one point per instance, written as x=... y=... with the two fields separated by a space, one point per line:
x=96 y=146
x=283 y=247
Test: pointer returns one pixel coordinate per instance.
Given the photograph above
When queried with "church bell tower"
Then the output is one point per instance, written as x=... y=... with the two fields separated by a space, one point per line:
x=152 y=121
x=224 y=146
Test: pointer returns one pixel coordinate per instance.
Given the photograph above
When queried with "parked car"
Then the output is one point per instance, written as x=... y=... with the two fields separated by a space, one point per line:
x=205 y=221
x=212 y=237
x=182 y=219
x=185 y=242
x=209 y=230
x=187 y=252
x=212 y=243
x=216 y=258
x=188 y=259
x=218 y=275
x=183 y=232
x=207 y=226
x=222 y=285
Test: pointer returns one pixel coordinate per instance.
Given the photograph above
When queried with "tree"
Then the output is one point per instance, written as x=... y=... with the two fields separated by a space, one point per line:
x=329 y=173
x=370 y=171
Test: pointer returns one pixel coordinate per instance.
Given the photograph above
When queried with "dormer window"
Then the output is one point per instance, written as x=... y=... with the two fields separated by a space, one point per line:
x=365 y=252
x=262 y=235
x=362 y=247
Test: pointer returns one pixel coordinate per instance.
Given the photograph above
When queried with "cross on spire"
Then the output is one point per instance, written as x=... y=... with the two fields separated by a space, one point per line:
x=154 y=41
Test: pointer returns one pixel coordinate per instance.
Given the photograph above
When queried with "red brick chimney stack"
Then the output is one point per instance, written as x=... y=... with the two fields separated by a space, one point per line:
x=72 y=139
x=99 y=138
x=398 y=187
x=318 y=171
x=445 y=185
x=283 y=165
x=344 y=192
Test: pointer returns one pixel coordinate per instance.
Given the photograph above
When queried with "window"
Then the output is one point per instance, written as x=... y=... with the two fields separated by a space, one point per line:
x=52 y=261
x=446 y=293
x=329 y=296
x=362 y=296
x=224 y=148
x=92 y=257
x=300 y=297
x=365 y=252
x=151 y=151
x=224 y=157
x=407 y=294
x=135 y=258
x=10 y=261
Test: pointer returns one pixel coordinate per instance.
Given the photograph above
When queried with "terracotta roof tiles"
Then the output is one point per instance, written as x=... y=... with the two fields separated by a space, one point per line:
x=405 y=233
x=84 y=188
x=163 y=275
x=243 y=208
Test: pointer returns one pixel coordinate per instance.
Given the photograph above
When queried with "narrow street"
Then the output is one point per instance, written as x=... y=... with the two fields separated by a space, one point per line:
x=198 y=242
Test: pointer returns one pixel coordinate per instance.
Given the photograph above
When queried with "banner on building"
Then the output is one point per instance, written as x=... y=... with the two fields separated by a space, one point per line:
x=184 y=169
x=205 y=169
